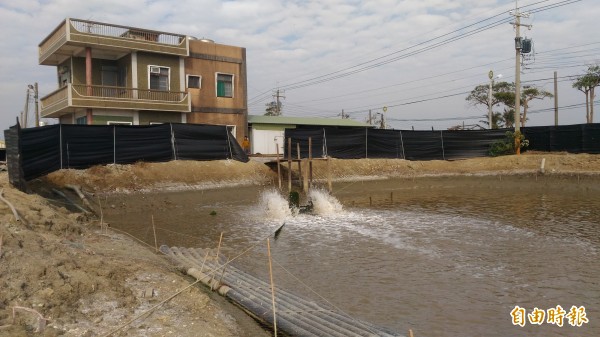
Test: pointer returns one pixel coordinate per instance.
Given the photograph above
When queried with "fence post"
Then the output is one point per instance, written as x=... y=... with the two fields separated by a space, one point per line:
x=173 y=142
x=60 y=144
x=114 y=144
x=442 y=137
x=402 y=143
x=366 y=143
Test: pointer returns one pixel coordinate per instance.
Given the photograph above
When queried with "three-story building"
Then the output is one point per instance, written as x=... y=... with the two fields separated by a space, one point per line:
x=112 y=74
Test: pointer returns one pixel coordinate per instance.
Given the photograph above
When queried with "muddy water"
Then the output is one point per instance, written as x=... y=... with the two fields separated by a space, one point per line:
x=441 y=256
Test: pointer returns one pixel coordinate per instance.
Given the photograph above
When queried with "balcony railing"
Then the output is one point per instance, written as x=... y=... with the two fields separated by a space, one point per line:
x=128 y=93
x=104 y=29
x=97 y=34
x=74 y=96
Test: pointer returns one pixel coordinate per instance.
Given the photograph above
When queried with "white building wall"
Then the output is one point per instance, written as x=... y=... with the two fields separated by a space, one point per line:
x=266 y=141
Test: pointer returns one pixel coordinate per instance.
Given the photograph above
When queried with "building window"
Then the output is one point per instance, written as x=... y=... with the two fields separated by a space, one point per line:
x=158 y=78
x=194 y=82
x=118 y=123
x=81 y=120
x=224 y=85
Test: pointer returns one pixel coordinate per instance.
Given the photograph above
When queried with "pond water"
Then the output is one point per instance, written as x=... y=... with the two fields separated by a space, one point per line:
x=449 y=256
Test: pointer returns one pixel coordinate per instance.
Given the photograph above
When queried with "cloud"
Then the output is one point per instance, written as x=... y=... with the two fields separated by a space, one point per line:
x=292 y=41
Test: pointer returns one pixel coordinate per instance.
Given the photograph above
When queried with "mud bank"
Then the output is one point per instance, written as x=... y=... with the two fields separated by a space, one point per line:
x=87 y=282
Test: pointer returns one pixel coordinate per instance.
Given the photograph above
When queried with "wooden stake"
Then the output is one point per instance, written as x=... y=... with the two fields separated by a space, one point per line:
x=289 y=164
x=278 y=167
x=154 y=230
x=219 y=247
x=305 y=176
x=298 y=157
x=410 y=333
x=272 y=287
x=370 y=201
x=329 y=174
x=204 y=261
x=310 y=168
x=1 y=237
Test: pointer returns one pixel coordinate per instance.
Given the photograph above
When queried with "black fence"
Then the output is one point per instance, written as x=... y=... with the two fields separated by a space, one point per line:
x=39 y=151
x=436 y=145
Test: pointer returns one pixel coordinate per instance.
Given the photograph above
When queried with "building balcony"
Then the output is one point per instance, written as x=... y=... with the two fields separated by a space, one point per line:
x=107 y=40
x=78 y=97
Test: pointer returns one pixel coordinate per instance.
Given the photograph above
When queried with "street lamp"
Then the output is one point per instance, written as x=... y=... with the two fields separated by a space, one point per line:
x=490 y=113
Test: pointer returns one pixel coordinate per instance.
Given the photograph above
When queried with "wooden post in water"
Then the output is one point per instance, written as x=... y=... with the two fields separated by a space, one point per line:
x=310 y=170
x=305 y=176
x=329 y=174
x=272 y=288
x=289 y=164
x=278 y=167
x=298 y=157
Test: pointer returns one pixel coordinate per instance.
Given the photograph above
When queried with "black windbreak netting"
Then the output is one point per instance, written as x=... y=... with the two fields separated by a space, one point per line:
x=470 y=143
x=580 y=138
x=346 y=143
x=301 y=136
x=50 y=148
x=84 y=146
x=591 y=139
x=384 y=144
x=200 y=142
x=206 y=142
x=143 y=143
x=40 y=151
x=423 y=145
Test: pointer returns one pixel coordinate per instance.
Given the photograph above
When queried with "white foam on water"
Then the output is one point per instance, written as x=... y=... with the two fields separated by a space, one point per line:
x=273 y=206
x=325 y=204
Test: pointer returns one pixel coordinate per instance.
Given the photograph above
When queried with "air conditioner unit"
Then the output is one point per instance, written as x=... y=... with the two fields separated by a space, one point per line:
x=154 y=70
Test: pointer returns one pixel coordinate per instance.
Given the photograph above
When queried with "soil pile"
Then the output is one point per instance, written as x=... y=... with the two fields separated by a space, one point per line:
x=86 y=282
x=182 y=175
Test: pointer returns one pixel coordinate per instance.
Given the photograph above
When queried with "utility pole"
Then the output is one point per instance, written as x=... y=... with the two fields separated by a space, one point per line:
x=370 y=118
x=555 y=99
x=277 y=102
x=518 y=45
x=491 y=76
x=342 y=113
x=37 y=110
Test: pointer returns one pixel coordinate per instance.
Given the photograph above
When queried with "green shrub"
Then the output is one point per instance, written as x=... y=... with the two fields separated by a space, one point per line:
x=507 y=145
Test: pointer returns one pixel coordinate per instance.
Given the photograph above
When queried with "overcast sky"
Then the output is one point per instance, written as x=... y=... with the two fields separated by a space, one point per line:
x=329 y=55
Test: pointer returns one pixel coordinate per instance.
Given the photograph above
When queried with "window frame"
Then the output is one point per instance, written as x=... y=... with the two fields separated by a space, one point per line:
x=168 y=77
x=217 y=85
x=118 y=123
x=187 y=81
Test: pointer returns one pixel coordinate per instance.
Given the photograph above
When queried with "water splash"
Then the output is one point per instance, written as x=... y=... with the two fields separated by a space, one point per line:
x=324 y=204
x=274 y=205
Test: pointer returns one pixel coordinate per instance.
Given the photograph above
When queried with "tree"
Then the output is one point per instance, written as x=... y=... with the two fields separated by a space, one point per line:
x=503 y=93
x=273 y=109
x=529 y=94
x=479 y=96
x=586 y=84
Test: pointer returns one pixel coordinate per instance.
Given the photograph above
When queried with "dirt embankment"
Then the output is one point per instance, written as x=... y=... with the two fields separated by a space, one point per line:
x=180 y=175
x=87 y=282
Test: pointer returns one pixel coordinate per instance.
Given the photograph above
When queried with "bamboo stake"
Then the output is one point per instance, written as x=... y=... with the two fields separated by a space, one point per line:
x=278 y=167
x=204 y=261
x=223 y=272
x=12 y=208
x=154 y=230
x=217 y=259
x=310 y=166
x=289 y=164
x=219 y=246
x=298 y=157
x=329 y=174
x=272 y=287
x=1 y=237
